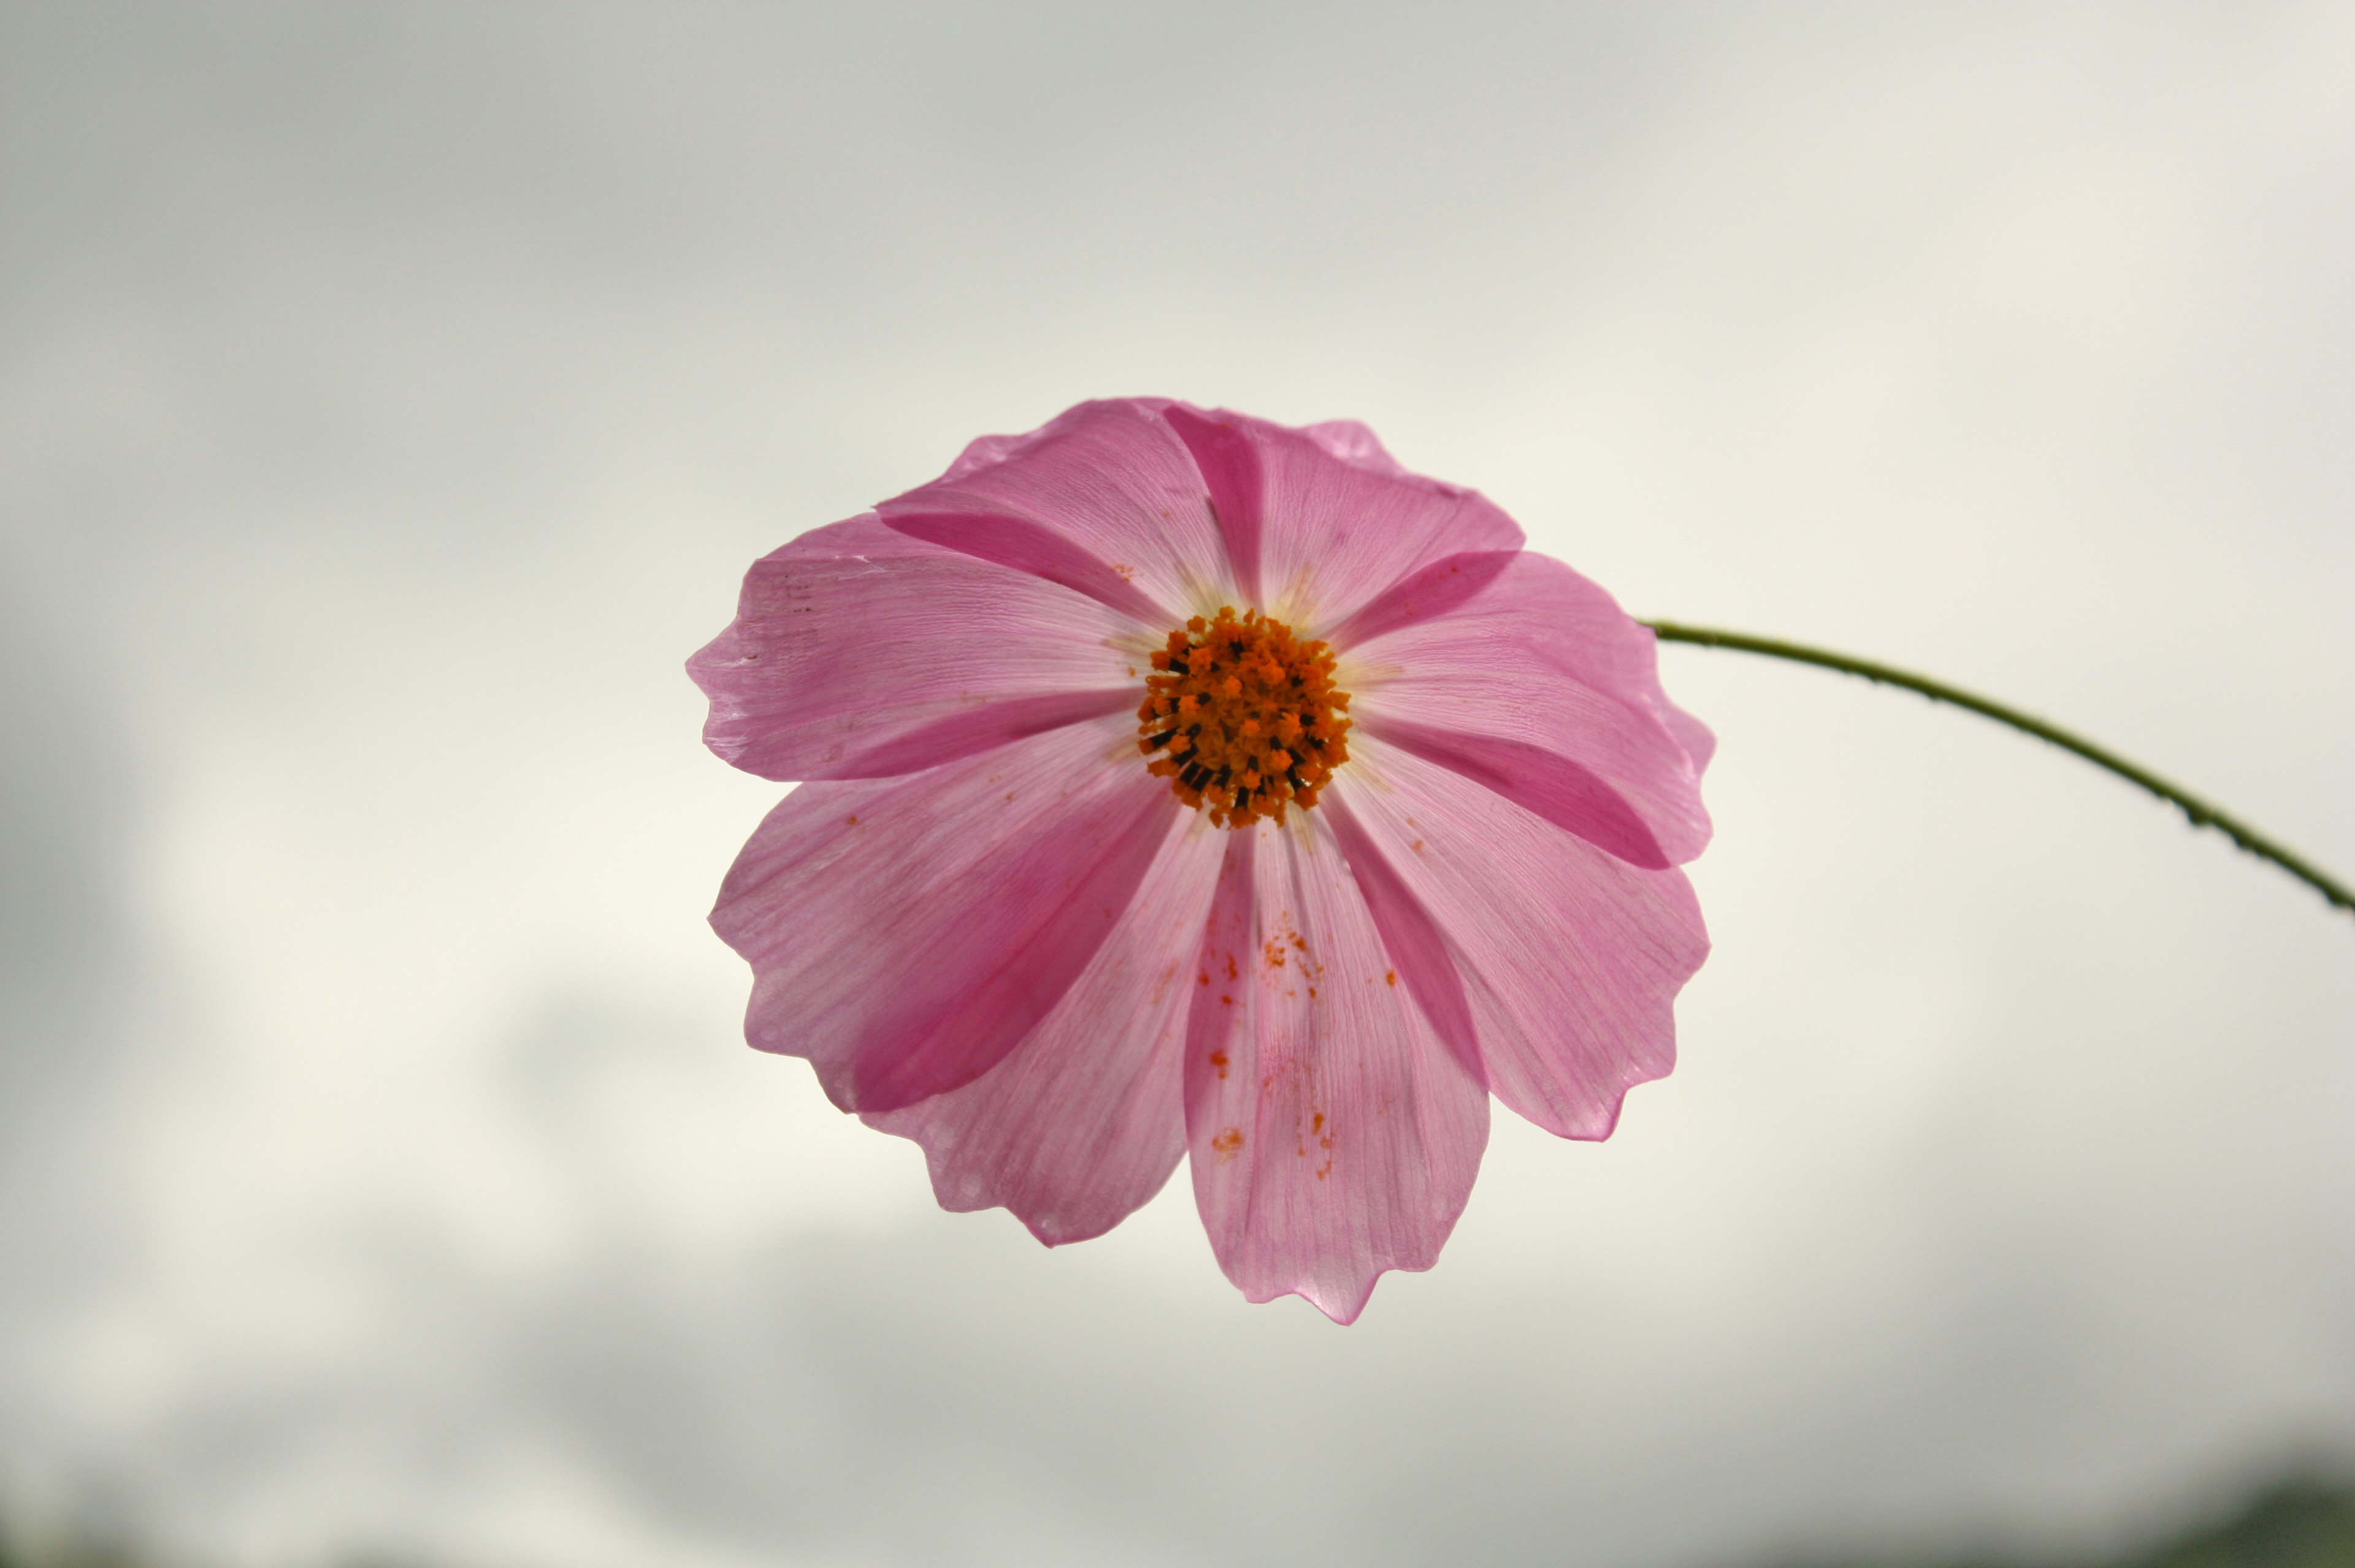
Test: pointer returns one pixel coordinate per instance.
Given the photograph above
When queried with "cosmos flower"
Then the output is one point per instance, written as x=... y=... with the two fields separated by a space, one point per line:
x=1180 y=784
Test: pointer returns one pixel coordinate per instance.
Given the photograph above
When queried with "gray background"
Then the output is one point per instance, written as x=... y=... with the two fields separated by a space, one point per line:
x=391 y=397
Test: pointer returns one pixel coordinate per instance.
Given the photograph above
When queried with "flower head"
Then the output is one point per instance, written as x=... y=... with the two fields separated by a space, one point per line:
x=1180 y=784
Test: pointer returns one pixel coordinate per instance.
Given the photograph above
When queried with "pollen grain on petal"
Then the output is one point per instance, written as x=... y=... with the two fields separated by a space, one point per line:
x=1242 y=717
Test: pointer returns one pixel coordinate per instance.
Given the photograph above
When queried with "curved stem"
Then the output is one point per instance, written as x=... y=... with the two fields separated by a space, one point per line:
x=2199 y=812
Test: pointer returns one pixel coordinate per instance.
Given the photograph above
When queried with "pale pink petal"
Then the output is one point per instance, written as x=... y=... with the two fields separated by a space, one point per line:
x=1228 y=460
x=1544 y=690
x=1354 y=442
x=1333 y=1133
x=1035 y=549
x=1694 y=736
x=1569 y=957
x=1084 y=1120
x=906 y=933
x=1421 y=959
x=1111 y=481
x=1341 y=522
x=1443 y=586
x=857 y=652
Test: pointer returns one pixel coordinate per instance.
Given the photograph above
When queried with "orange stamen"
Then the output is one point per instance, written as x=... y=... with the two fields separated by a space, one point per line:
x=1217 y=690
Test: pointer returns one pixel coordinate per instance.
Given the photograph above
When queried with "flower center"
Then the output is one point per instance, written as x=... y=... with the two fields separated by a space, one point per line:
x=1244 y=717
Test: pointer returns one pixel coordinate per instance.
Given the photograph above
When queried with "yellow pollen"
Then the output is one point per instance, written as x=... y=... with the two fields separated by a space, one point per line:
x=1216 y=692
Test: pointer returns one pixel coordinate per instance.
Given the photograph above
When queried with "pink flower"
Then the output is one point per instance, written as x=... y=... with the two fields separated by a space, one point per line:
x=1181 y=783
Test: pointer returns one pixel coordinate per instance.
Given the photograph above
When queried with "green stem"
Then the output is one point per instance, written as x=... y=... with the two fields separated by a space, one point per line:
x=2199 y=812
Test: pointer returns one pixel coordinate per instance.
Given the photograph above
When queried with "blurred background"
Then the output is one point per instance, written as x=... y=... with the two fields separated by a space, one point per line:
x=392 y=398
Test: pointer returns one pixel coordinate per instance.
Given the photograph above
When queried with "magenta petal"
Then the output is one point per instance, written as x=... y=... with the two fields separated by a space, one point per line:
x=1544 y=690
x=977 y=728
x=1341 y=522
x=1446 y=584
x=1038 y=551
x=905 y=934
x=1229 y=464
x=1113 y=481
x=1082 y=1123
x=857 y=652
x=1567 y=793
x=1569 y=957
x=1417 y=947
x=1333 y=1134
x=1693 y=735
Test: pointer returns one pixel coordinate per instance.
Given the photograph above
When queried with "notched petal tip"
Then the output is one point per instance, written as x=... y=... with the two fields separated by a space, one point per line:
x=863 y=651
x=1571 y=957
x=1333 y=1133
x=1082 y=1122
x=1344 y=1304
x=1542 y=688
x=907 y=934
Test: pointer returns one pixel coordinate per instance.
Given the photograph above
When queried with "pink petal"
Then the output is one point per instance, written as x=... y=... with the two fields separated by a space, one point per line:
x=1417 y=947
x=1438 y=589
x=1569 y=957
x=1693 y=735
x=1333 y=1134
x=1229 y=462
x=857 y=652
x=1543 y=689
x=1035 y=549
x=1112 y=482
x=1082 y=1122
x=1340 y=521
x=906 y=933
x=1353 y=443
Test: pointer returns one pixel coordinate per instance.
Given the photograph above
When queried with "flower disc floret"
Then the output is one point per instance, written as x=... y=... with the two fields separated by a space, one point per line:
x=1244 y=716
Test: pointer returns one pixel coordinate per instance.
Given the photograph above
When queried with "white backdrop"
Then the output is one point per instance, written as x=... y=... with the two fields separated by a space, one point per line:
x=390 y=398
